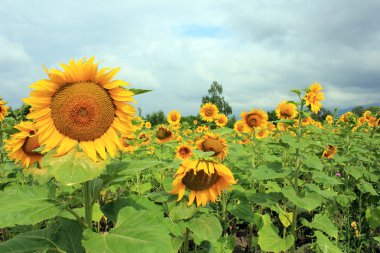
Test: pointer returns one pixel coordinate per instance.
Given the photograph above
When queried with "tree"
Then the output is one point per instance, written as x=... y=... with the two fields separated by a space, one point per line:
x=358 y=110
x=156 y=118
x=215 y=97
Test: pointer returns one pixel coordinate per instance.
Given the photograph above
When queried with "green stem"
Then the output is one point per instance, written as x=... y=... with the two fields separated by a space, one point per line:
x=250 y=238
x=79 y=219
x=186 y=241
x=224 y=212
x=87 y=204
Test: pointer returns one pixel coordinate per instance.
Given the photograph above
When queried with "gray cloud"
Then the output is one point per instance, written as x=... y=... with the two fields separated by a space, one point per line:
x=258 y=50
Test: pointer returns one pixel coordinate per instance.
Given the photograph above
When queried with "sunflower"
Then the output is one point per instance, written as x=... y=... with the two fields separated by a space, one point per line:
x=240 y=126
x=314 y=96
x=213 y=142
x=144 y=138
x=195 y=122
x=127 y=143
x=208 y=112
x=148 y=125
x=286 y=110
x=174 y=117
x=164 y=134
x=221 y=120
x=81 y=105
x=329 y=119
x=205 y=179
x=138 y=123
x=3 y=109
x=254 y=118
x=21 y=145
x=271 y=126
x=262 y=133
x=183 y=151
x=329 y=152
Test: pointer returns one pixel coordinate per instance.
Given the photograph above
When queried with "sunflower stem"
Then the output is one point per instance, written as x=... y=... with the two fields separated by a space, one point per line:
x=87 y=204
x=186 y=241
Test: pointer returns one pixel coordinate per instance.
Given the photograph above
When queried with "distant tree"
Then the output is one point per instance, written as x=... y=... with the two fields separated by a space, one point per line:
x=321 y=115
x=272 y=115
x=373 y=109
x=358 y=110
x=215 y=96
x=231 y=121
x=139 y=111
x=156 y=118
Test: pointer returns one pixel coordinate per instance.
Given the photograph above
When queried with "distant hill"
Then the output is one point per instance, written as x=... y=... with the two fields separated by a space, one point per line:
x=348 y=109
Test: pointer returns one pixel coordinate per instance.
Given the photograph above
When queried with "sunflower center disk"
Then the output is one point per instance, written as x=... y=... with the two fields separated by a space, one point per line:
x=163 y=133
x=199 y=181
x=252 y=120
x=82 y=111
x=209 y=113
x=30 y=144
x=212 y=145
x=184 y=151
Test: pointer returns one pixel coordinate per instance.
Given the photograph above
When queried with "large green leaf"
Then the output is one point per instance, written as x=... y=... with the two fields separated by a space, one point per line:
x=372 y=214
x=131 y=167
x=365 y=187
x=205 y=227
x=62 y=236
x=323 y=223
x=135 y=231
x=312 y=162
x=180 y=210
x=310 y=201
x=325 y=244
x=27 y=205
x=269 y=171
x=269 y=240
x=73 y=168
x=242 y=210
x=322 y=178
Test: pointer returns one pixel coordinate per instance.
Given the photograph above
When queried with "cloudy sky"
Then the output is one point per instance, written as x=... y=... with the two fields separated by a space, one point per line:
x=258 y=50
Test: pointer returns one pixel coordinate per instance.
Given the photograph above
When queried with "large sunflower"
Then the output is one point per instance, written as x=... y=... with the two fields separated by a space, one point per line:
x=213 y=142
x=314 y=96
x=3 y=109
x=20 y=146
x=174 y=117
x=208 y=112
x=81 y=104
x=286 y=110
x=205 y=179
x=254 y=119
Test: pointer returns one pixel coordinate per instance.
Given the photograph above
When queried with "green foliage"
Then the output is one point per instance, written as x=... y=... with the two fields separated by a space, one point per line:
x=137 y=231
x=215 y=96
x=156 y=118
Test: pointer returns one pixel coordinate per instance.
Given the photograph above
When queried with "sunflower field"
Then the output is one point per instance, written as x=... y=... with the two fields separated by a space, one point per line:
x=81 y=172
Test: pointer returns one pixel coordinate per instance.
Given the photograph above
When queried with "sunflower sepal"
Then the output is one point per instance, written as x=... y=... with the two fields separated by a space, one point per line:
x=286 y=121
x=201 y=155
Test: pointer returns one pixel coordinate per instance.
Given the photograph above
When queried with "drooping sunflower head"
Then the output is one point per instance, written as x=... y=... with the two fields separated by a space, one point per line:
x=255 y=118
x=286 y=110
x=314 y=96
x=213 y=142
x=329 y=152
x=144 y=138
x=3 y=110
x=174 y=117
x=21 y=145
x=221 y=120
x=183 y=151
x=205 y=179
x=81 y=105
x=128 y=143
x=164 y=134
x=208 y=112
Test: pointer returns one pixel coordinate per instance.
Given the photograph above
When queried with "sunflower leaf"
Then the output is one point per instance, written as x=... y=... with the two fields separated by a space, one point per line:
x=73 y=168
x=138 y=91
x=27 y=205
x=135 y=231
